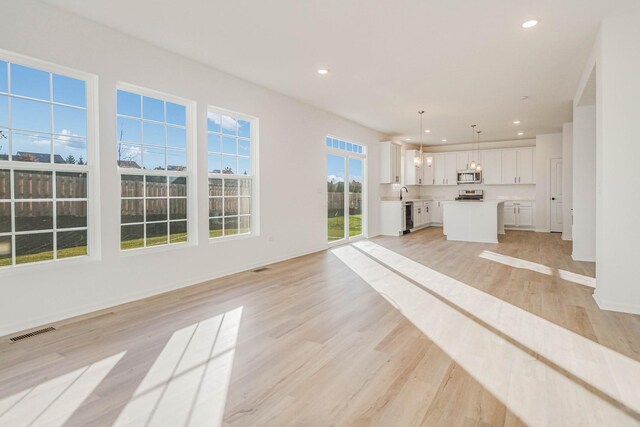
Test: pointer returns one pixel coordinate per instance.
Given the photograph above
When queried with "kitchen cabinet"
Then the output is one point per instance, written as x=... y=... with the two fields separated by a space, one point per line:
x=436 y=212
x=428 y=167
x=518 y=214
x=462 y=160
x=446 y=169
x=390 y=163
x=517 y=166
x=412 y=173
x=421 y=216
x=491 y=162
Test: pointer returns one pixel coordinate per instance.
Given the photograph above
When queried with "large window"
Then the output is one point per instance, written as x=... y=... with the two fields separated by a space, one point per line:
x=153 y=160
x=231 y=150
x=345 y=182
x=44 y=165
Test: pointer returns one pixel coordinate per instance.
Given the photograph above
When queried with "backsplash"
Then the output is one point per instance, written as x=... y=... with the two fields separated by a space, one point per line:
x=449 y=192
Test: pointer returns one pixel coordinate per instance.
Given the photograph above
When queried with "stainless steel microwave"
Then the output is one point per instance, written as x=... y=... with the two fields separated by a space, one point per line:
x=469 y=176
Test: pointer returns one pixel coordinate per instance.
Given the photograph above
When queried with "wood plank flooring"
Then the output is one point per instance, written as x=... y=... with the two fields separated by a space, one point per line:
x=310 y=342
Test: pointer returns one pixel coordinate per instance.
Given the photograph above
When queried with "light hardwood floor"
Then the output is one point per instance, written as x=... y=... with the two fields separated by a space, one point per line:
x=319 y=341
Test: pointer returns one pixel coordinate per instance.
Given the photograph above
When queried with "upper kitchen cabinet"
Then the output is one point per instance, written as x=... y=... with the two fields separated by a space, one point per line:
x=390 y=163
x=446 y=169
x=428 y=168
x=517 y=166
x=491 y=161
x=462 y=160
x=413 y=174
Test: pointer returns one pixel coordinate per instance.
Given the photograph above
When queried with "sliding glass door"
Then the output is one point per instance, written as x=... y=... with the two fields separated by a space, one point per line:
x=345 y=188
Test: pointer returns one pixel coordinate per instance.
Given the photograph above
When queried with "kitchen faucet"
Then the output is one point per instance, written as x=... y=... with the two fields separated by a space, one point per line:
x=405 y=189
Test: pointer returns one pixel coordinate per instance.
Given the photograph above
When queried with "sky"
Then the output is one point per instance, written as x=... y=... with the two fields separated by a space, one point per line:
x=336 y=168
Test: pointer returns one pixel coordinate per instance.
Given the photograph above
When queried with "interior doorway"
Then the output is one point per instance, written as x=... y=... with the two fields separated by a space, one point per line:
x=555 y=196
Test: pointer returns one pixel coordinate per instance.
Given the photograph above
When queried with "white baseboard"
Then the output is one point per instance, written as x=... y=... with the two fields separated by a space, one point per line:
x=565 y=237
x=13 y=328
x=582 y=257
x=613 y=306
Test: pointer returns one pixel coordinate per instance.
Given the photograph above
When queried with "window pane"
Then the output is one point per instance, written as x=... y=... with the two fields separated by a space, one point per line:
x=5 y=184
x=355 y=197
x=4 y=144
x=156 y=209
x=5 y=217
x=33 y=185
x=245 y=187
x=178 y=187
x=245 y=206
x=154 y=158
x=153 y=134
x=229 y=125
x=131 y=236
x=230 y=187
x=5 y=251
x=72 y=244
x=132 y=186
x=214 y=143
x=129 y=156
x=335 y=197
x=128 y=103
x=69 y=121
x=213 y=122
x=229 y=145
x=129 y=130
x=244 y=166
x=229 y=165
x=67 y=90
x=30 y=115
x=34 y=247
x=157 y=234
x=176 y=114
x=132 y=210
x=153 y=109
x=215 y=187
x=31 y=147
x=176 y=137
x=177 y=208
x=244 y=129
x=26 y=81
x=3 y=77
x=244 y=147
x=245 y=225
x=215 y=206
x=156 y=186
x=231 y=226
x=230 y=206
x=34 y=216
x=178 y=232
x=176 y=160
x=71 y=214
x=71 y=151
x=328 y=141
x=215 y=163
x=215 y=227
x=4 y=111
x=71 y=185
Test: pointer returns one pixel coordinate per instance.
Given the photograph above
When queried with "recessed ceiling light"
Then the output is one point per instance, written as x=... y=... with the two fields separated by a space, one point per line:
x=323 y=71
x=516 y=122
x=427 y=131
x=408 y=139
x=530 y=24
x=444 y=140
x=520 y=133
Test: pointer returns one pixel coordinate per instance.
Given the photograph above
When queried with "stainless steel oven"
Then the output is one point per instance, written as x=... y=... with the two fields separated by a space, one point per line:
x=469 y=176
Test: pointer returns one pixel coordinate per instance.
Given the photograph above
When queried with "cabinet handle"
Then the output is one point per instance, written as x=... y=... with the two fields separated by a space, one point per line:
x=518 y=180
x=515 y=180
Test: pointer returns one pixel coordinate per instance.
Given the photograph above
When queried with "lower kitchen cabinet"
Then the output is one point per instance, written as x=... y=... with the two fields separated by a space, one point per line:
x=518 y=214
x=436 y=212
x=421 y=214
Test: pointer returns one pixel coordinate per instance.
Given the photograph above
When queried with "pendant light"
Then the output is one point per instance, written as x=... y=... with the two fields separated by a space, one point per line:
x=478 y=167
x=472 y=165
x=418 y=160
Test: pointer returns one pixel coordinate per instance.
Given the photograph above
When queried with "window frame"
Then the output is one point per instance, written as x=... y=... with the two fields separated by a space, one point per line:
x=91 y=168
x=190 y=173
x=365 y=186
x=254 y=205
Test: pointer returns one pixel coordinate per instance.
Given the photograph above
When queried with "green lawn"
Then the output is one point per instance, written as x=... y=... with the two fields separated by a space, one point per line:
x=153 y=241
x=336 y=227
x=46 y=256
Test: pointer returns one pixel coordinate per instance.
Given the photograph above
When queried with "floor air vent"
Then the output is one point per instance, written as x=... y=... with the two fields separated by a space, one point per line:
x=31 y=334
x=258 y=270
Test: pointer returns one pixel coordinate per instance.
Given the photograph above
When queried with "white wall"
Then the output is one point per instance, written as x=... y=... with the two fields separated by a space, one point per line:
x=292 y=165
x=618 y=151
x=567 y=180
x=584 y=183
x=547 y=147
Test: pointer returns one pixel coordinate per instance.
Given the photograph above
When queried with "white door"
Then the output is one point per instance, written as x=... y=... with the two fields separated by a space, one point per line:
x=491 y=161
x=509 y=167
x=555 y=180
x=525 y=166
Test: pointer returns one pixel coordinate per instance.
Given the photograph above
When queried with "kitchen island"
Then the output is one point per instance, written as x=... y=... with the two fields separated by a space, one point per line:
x=473 y=220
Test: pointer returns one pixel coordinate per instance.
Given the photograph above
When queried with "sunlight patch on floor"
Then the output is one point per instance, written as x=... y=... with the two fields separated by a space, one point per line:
x=189 y=381
x=530 y=388
x=539 y=268
x=51 y=403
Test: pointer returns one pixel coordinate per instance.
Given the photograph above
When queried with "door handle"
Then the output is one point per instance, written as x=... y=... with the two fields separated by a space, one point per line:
x=553 y=198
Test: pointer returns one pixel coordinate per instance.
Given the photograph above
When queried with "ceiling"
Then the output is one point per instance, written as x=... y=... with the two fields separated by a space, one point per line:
x=463 y=61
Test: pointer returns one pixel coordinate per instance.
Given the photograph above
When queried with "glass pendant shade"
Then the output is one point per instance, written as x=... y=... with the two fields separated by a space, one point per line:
x=472 y=165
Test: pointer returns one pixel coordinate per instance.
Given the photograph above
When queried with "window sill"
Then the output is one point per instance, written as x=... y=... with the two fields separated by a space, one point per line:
x=215 y=240
x=156 y=249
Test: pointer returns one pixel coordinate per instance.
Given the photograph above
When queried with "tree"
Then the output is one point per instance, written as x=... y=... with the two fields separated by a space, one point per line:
x=80 y=161
x=70 y=159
